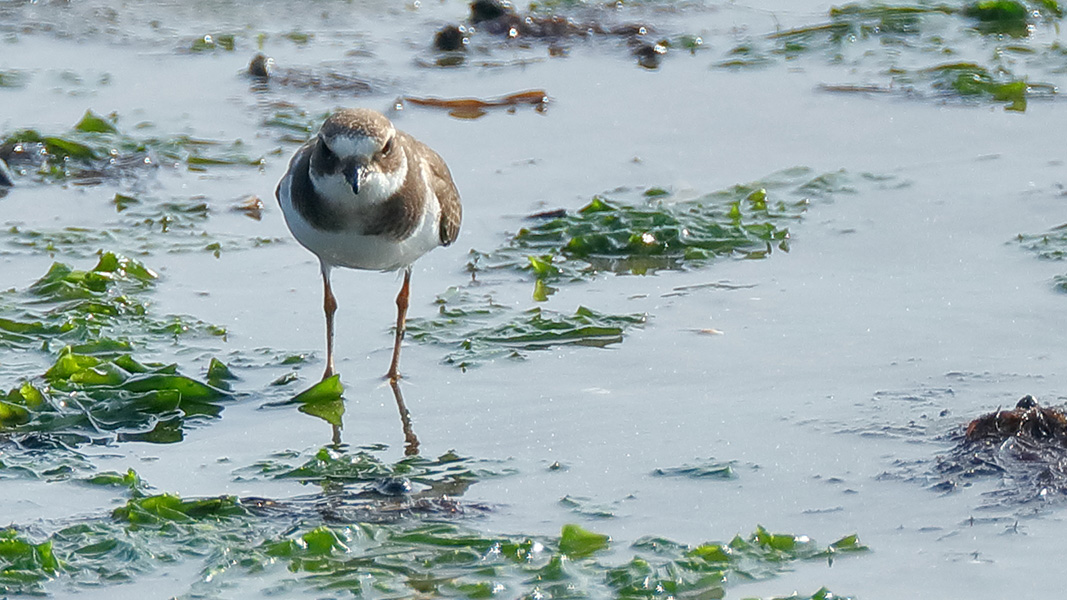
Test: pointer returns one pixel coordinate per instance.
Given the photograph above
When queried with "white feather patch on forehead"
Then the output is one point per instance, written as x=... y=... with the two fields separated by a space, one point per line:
x=354 y=145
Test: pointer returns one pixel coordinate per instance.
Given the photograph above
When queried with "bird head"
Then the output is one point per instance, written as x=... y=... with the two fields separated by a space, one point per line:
x=357 y=154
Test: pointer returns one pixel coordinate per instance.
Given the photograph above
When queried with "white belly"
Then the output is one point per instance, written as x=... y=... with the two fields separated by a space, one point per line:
x=341 y=248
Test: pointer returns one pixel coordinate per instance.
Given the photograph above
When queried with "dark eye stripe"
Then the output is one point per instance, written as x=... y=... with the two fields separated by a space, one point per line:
x=328 y=158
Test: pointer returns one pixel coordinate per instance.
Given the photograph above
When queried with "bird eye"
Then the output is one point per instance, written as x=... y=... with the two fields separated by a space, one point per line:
x=388 y=148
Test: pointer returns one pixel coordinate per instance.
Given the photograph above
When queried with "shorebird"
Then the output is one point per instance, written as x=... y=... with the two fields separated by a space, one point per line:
x=362 y=194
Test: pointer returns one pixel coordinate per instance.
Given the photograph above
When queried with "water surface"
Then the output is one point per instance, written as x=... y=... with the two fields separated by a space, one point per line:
x=903 y=309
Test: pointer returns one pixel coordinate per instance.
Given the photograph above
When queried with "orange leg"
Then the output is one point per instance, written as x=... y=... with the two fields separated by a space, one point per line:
x=329 y=306
x=411 y=441
x=401 y=318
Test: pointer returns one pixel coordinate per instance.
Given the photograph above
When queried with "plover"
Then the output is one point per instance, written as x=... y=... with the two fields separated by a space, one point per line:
x=362 y=194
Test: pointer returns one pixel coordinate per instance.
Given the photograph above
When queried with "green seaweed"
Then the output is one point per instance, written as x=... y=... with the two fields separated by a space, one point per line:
x=129 y=480
x=258 y=542
x=1010 y=17
x=94 y=312
x=884 y=42
x=460 y=562
x=168 y=508
x=93 y=123
x=969 y=80
x=96 y=149
x=24 y=565
x=659 y=231
x=95 y=389
x=323 y=400
x=44 y=458
x=149 y=230
x=745 y=56
x=214 y=41
x=10 y=78
x=479 y=331
x=219 y=375
x=1059 y=283
x=1051 y=245
x=576 y=542
x=852 y=22
x=294 y=125
x=710 y=469
x=583 y=506
x=84 y=397
x=144 y=225
x=333 y=465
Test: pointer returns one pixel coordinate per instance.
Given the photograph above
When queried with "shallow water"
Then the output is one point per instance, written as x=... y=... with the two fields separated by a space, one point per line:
x=902 y=310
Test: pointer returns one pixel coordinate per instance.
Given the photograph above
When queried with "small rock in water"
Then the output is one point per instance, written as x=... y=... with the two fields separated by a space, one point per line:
x=392 y=486
x=261 y=66
x=650 y=55
x=487 y=10
x=449 y=39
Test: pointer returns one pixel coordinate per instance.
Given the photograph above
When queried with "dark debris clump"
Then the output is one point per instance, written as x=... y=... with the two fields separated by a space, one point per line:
x=499 y=18
x=1026 y=447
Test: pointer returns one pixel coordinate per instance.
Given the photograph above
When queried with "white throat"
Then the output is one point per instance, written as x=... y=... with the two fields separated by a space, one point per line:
x=375 y=187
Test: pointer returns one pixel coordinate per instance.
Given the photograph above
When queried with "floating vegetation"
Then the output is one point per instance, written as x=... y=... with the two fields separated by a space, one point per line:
x=96 y=150
x=95 y=311
x=144 y=226
x=481 y=331
x=854 y=22
x=1011 y=17
x=24 y=565
x=1051 y=245
x=745 y=56
x=296 y=125
x=586 y=508
x=96 y=389
x=84 y=398
x=322 y=400
x=211 y=42
x=860 y=21
x=643 y=233
x=234 y=538
x=12 y=79
x=710 y=469
x=650 y=231
x=894 y=38
x=969 y=80
x=336 y=466
x=42 y=458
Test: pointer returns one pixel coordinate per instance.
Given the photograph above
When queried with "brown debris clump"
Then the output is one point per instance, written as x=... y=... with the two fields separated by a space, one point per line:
x=1026 y=448
x=1027 y=419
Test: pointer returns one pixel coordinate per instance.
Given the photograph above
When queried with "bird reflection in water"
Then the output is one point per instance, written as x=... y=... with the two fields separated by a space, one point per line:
x=411 y=441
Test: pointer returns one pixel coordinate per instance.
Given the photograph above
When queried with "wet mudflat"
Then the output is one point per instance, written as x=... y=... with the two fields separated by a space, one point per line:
x=724 y=301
